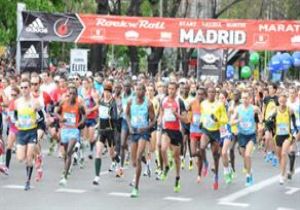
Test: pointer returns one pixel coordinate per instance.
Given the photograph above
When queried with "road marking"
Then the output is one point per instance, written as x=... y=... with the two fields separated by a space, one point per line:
x=283 y=208
x=18 y=187
x=234 y=204
x=66 y=190
x=120 y=194
x=254 y=188
x=292 y=190
x=181 y=199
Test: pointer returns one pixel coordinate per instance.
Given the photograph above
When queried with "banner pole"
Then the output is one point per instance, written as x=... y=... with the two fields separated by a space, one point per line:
x=42 y=55
x=20 y=7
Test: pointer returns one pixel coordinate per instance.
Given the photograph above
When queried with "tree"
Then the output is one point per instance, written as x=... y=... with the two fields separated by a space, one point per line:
x=99 y=51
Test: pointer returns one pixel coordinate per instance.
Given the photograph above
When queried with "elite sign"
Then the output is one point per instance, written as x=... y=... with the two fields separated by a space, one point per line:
x=162 y=32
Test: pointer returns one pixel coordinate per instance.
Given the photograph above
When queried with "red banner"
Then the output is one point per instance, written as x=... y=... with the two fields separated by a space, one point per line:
x=191 y=33
x=162 y=32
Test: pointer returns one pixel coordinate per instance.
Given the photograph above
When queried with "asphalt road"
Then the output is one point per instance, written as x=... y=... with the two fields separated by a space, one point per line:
x=113 y=193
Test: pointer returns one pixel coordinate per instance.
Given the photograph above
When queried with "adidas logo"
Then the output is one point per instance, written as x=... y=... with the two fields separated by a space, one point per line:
x=37 y=26
x=31 y=53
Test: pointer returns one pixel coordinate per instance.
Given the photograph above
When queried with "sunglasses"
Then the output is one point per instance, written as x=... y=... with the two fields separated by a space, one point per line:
x=26 y=87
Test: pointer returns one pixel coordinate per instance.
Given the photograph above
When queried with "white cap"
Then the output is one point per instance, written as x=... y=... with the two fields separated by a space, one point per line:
x=89 y=74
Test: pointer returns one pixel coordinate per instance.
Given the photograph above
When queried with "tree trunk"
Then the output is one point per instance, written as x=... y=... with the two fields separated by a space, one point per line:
x=134 y=10
x=157 y=52
x=99 y=51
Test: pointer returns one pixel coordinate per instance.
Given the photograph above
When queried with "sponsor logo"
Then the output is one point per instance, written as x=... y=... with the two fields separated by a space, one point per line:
x=62 y=28
x=261 y=39
x=97 y=33
x=295 y=39
x=146 y=24
x=211 y=36
x=36 y=26
x=31 y=53
x=132 y=35
x=210 y=58
x=166 y=36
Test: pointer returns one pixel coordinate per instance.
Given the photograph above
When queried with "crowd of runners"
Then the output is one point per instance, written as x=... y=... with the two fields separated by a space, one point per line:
x=154 y=123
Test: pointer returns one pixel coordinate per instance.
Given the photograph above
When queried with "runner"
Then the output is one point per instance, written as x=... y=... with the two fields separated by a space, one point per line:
x=171 y=114
x=195 y=131
x=226 y=139
x=187 y=100
x=118 y=124
x=27 y=110
x=127 y=95
x=44 y=100
x=233 y=104
x=213 y=116
x=71 y=114
x=11 y=138
x=89 y=96
x=246 y=116
x=294 y=105
x=282 y=119
x=140 y=118
x=107 y=120
x=269 y=107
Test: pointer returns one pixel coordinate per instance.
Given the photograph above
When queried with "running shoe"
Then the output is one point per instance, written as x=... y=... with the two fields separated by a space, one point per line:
x=198 y=180
x=182 y=164
x=81 y=163
x=281 y=180
x=134 y=193
x=216 y=185
x=158 y=175
x=191 y=166
x=4 y=170
x=38 y=162
x=268 y=157
x=164 y=175
x=96 y=180
x=249 y=181
x=112 y=167
x=39 y=175
x=90 y=156
x=177 y=187
x=27 y=186
x=290 y=175
x=228 y=178
x=233 y=174
x=63 y=182
x=274 y=161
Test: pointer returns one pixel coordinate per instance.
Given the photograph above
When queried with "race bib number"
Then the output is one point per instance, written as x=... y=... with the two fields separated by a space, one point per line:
x=246 y=125
x=103 y=112
x=69 y=119
x=196 y=119
x=138 y=122
x=24 y=121
x=283 y=129
x=224 y=132
x=169 y=115
x=208 y=122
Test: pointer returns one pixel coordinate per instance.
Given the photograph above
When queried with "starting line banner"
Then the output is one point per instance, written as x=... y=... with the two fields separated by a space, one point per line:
x=162 y=32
